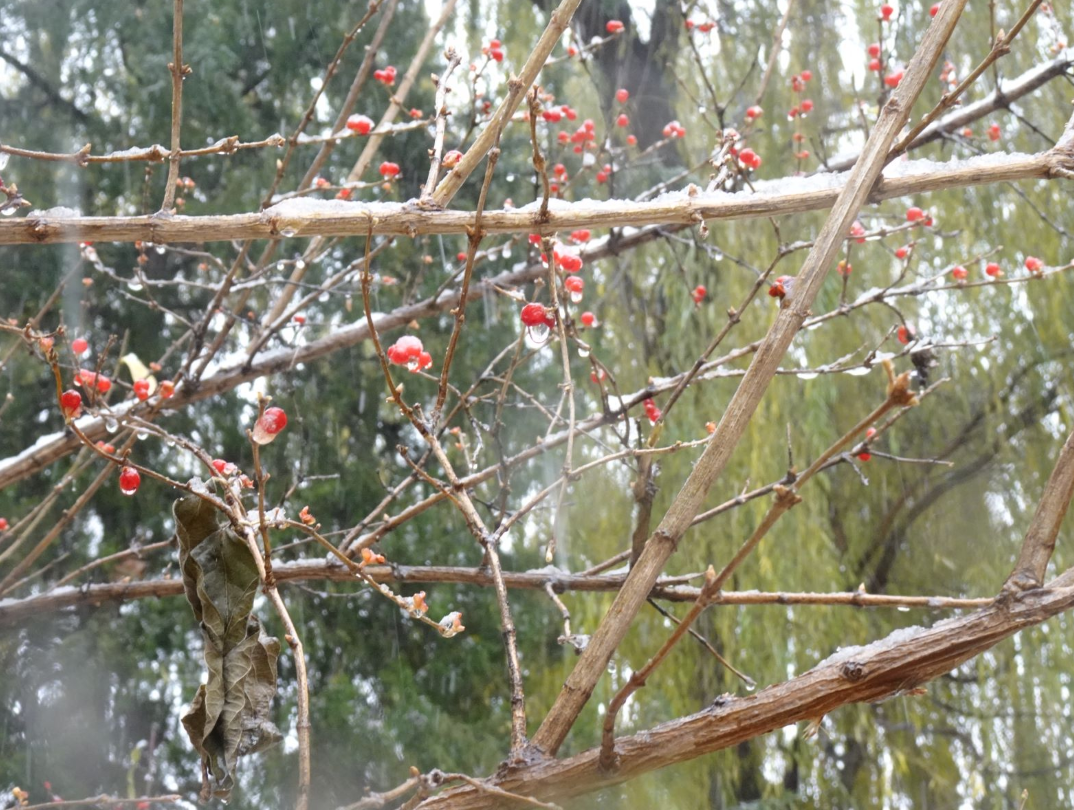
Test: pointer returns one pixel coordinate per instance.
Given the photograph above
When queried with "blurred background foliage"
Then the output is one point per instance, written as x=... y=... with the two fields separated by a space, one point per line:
x=91 y=699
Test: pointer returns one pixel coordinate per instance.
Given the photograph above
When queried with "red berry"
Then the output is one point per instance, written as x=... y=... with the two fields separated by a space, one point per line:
x=781 y=286
x=496 y=54
x=934 y=10
x=905 y=334
x=843 y=268
x=870 y=433
x=360 y=123
x=699 y=293
x=874 y=65
x=588 y=319
x=533 y=314
x=631 y=140
x=129 y=480
x=581 y=236
x=407 y=351
x=461 y=255
x=874 y=49
x=622 y=120
x=993 y=132
x=614 y=27
x=914 y=214
x=79 y=345
x=167 y=390
x=807 y=105
x=865 y=455
x=621 y=95
x=552 y=116
x=602 y=177
x=992 y=269
x=141 y=389
x=857 y=230
x=886 y=11
x=451 y=159
x=71 y=404
x=574 y=285
x=1033 y=264
x=3 y=524
x=893 y=79
x=902 y=252
x=749 y=158
x=272 y=421
x=959 y=272
x=807 y=75
x=389 y=169
x=754 y=112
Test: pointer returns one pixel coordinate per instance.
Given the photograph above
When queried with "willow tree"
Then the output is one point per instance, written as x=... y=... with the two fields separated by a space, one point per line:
x=568 y=393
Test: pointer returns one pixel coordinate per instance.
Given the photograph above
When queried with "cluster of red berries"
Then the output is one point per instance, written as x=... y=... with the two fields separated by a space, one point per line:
x=749 y=159
x=703 y=27
x=865 y=455
x=699 y=294
x=673 y=129
x=537 y=315
x=408 y=351
x=362 y=124
x=385 y=76
x=91 y=379
x=614 y=27
x=651 y=411
x=915 y=214
x=389 y=170
x=494 y=50
x=781 y=287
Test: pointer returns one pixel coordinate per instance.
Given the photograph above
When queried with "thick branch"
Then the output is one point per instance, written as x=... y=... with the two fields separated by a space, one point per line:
x=339 y=218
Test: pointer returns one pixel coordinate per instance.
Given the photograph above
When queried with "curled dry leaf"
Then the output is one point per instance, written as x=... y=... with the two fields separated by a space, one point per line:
x=230 y=715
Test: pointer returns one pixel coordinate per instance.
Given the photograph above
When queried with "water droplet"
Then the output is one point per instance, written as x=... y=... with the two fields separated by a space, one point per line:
x=807 y=375
x=539 y=334
x=576 y=296
x=413 y=363
x=583 y=351
x=4 y=158
x=127 y=491
x=111 y=425
x=717 y=255
x=134 y=285
x=9 y=211
x=903 y=609
x=300 y=264
x=751 y=684
x=141 y=435
x=160 y=249
x=288 y=232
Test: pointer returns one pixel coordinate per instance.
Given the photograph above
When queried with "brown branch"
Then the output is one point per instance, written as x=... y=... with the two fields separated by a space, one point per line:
x=104 y=799
x=1039 y=542
x=762 y=369
x=888 y=667
x=440 y=114
x=400 y=219
x=179 y=72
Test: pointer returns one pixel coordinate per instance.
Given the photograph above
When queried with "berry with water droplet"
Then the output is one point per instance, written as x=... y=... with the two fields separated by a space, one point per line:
x=408 y=351
x=992 y=269
x=874 y=49
x=268 y=426
x=79 y=345
x=959 y=273
x=699 y=294
x=886 y=11
x=581 y=236
x=574 y=286
x=614 y=27
x=129 y=480
x=588 y=319
x=651 y=411
x=874 y=65
x=781 y=287
x=750 y=159
x=902 y=252
x=1033 y=264
x=71 y=404
x=223 y=467
x=914 y=214
x=141 y=389
x=753 y=113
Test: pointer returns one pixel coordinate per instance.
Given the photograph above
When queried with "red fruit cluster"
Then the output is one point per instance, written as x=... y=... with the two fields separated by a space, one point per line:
x=844 y=269
x=361 y=124
x=494 y=50
x=750 y=159
x=781 y=286
x=389 y=169
x=699 y=294
x=614 y=27
x=673 y=129
x=535 y=314
x=91 y=379
x=408 y=351
x=1033 y=264
x=141 y=389
x=567 y=262
x=385 y=76
x=651 y=411
x=580 y=236
x=992 y=269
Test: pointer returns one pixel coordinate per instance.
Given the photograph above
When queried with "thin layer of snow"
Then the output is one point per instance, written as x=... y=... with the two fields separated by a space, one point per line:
x=139 y=152
x=59 y=212
x=891 y=640
x=913 y=168
x=300 y=207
